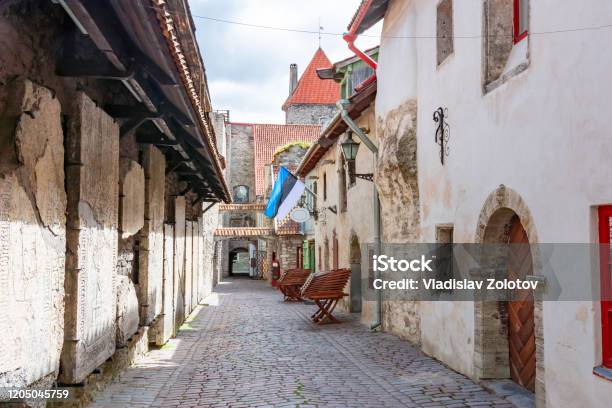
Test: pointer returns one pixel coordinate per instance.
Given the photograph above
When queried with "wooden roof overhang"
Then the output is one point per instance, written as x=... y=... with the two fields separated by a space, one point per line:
x=359 y=102
x=149 y=45
x=250 y=207
x=243 y=232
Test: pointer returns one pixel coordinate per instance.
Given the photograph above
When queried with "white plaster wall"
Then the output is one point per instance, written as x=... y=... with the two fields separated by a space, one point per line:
x=541 y=133
x=359 y=217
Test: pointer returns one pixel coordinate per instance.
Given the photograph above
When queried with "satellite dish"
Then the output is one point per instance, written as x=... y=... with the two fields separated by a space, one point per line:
x=300 y=214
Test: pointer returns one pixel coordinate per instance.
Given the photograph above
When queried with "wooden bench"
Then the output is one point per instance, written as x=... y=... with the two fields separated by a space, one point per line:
x=326 y=289
x=291 y=282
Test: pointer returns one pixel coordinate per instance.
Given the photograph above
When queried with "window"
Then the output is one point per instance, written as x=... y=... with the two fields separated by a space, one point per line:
x=605 y=265
x=324 y=186
x=521 y=19
x=444 y=30
x=505 y=49
x=342 y=196
x=444 y=252
x=241 y=194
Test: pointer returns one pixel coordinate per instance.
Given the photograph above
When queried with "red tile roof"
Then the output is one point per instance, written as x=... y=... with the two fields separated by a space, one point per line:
x=268 y=138
x=311 y=89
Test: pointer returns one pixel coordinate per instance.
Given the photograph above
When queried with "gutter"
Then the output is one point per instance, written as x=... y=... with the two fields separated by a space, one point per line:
x=342 y=104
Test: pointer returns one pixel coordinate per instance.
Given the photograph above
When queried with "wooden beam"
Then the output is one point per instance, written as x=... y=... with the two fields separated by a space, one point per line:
x=101 y=23
x=181 y=133
x=155 y=140
x=134 y=123
x=72 y=67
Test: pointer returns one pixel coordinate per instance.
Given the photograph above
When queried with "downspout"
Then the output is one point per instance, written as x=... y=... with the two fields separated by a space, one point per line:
x=342 y=103
x=350 y=38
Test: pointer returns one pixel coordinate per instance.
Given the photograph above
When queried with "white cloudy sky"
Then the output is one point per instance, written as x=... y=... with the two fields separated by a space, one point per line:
x=248 y=68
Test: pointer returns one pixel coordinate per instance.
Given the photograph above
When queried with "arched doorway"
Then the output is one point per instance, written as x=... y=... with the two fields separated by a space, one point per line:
x=508 y=337
x=239 y=262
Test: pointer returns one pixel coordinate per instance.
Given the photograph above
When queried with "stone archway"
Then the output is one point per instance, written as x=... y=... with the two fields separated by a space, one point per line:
x=355 y=263
x=501 y=210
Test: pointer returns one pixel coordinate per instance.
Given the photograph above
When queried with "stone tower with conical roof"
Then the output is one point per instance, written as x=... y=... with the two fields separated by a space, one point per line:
x=311 y=100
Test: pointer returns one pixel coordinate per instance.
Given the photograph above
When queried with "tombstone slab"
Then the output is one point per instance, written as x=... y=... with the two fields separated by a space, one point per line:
x=132 y=198
x=92 y=152
x=127 y=310
x=32 y=235
x=152 y=237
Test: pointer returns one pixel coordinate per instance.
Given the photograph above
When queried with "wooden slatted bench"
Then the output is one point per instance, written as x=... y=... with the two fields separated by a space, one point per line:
x=326 y=289
x=291 y=282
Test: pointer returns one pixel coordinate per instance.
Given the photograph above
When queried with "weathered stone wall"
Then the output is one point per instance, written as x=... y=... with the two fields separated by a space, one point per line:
x=287 y=254
x=301 y=114
x=92 y=175
x=32 y=234
x=241 y=158
x=397 y=183
x=151 y=252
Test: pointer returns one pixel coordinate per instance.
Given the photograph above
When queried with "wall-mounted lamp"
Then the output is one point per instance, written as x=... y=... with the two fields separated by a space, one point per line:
x=442 y=136
x=349 y=150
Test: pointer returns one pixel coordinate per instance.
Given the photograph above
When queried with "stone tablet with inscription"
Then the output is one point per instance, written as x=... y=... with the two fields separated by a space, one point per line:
x=92 y=152
x=32 y=235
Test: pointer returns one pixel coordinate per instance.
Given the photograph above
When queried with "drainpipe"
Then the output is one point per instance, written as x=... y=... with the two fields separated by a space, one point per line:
x=341 y=104
x=351 y=36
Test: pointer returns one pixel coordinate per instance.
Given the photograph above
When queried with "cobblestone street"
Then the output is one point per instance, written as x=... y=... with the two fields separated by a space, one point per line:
x=251 y=349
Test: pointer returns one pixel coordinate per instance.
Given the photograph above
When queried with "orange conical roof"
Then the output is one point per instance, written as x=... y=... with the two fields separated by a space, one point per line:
x=311 y=89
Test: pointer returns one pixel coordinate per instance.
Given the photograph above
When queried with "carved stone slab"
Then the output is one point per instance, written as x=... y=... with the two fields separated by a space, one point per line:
x=127 y=310
x=164 y=325
x=179 y=261
x=92 y=151
x=32 y=235
x=188 y=266
x=152 y=237
x=195 y=270
x=132 y=198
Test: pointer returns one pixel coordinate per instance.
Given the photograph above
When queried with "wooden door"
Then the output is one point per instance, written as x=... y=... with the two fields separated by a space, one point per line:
x=521 y=336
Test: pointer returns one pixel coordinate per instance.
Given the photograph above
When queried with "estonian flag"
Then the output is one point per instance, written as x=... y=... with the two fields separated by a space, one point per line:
x=286 y=193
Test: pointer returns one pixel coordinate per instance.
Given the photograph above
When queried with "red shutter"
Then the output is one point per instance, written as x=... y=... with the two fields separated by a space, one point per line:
x=605 y=226
x=519 y=32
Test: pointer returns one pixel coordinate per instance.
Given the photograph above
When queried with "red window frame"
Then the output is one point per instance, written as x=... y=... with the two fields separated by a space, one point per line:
x=518 y=36
x=605 y=264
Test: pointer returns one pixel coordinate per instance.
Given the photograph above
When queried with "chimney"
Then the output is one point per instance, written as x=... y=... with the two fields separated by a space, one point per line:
x=293 y=79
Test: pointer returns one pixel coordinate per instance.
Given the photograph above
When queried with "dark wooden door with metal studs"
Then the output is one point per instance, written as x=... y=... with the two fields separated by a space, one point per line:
x=521 y=337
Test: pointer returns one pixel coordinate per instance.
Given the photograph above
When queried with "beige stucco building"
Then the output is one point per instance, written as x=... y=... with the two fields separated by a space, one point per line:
x=514 y=159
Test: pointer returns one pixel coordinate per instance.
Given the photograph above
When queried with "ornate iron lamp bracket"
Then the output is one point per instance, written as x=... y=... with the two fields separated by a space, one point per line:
x=366 y=176
x=442 y=136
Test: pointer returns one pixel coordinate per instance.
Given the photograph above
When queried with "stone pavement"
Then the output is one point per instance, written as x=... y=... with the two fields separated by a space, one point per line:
x=251 y=349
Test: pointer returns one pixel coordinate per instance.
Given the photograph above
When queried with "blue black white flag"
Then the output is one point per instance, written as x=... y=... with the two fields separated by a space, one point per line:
x=285 y=195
